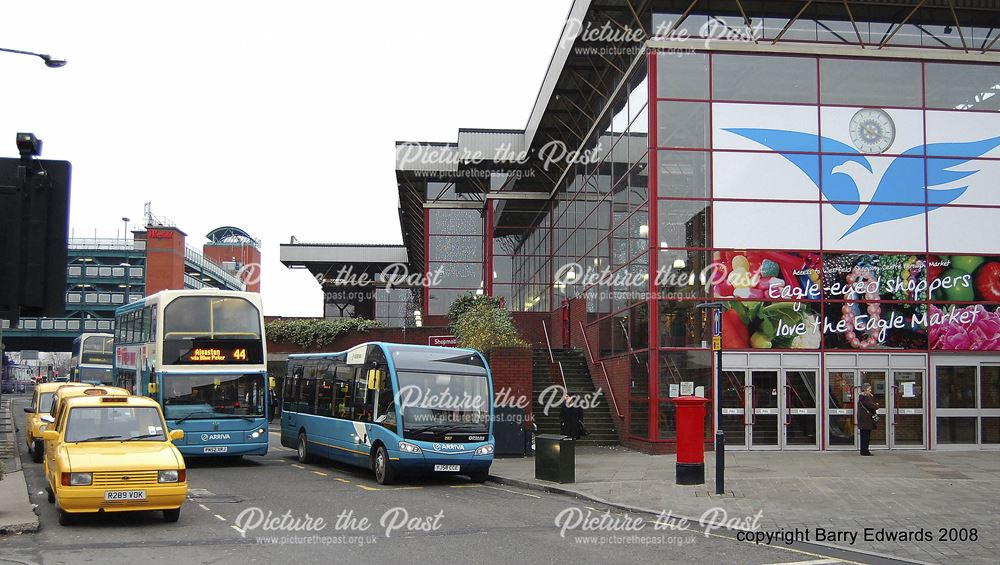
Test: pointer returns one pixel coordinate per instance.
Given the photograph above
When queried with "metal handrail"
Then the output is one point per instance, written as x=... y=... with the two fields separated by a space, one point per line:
x=590 y=353
x=552 y=359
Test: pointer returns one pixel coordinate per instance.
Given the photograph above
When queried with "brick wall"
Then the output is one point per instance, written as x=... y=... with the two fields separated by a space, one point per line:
x=511 y=368
x=529 y=325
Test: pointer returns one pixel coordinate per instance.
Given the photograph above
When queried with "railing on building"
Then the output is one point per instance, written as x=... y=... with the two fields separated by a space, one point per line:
x=69 y=325
x=552 y=359
x=191 y=282
x=106 y=244
x=103 y=271
x=200 y=262
x=604 y=371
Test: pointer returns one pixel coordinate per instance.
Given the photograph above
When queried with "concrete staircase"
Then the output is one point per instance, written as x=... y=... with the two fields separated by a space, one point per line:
x=597 y=419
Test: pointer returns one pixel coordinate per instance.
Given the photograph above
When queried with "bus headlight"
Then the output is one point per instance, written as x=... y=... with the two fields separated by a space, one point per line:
x=407 y=447
x=171 y=476
x=79 y=479
x=257 y=434
x=485 y=449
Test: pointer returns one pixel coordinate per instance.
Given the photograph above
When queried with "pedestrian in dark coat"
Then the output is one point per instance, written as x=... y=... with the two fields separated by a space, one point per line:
x=867 y=407
x=571 y=417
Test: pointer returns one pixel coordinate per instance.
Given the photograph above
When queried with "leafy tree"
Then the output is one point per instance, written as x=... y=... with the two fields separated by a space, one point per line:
x=310 y=333
x=479 y=323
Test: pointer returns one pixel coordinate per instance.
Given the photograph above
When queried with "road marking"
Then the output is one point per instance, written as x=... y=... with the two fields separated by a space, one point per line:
x=320 y=473
x=297 y=466
x=275 y=433
x=813 y=562
x=514 y=491
x=242 y=532
x=203 y=507
x=403 y=488
x=366 y=487
x=341 y=480
x=220 y=517
x=465 y=486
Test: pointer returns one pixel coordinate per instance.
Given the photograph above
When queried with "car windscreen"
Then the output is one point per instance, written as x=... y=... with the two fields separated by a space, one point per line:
x=45 y=402
x=114 y=423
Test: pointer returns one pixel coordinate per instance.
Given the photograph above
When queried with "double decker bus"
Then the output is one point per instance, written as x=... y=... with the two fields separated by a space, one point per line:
x=92 y=359
x=201 y=355
x=396 y=409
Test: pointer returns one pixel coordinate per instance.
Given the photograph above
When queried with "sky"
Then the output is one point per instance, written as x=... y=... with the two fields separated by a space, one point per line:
x=276 y=117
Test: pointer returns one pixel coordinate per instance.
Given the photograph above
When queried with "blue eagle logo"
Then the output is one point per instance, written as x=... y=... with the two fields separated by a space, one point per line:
x=902 y=183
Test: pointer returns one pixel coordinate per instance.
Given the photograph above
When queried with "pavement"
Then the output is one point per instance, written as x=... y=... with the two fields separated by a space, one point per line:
x=17 y=514
x=950 y=497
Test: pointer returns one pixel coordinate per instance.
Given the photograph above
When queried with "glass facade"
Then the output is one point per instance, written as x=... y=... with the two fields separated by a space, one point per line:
x=828 y=202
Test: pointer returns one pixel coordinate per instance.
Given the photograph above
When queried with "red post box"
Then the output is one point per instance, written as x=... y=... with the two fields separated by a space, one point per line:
x=690 y=439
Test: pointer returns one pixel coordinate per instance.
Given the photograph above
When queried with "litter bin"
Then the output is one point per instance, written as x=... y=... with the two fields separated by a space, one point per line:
x=690 y=439
x=555 y=458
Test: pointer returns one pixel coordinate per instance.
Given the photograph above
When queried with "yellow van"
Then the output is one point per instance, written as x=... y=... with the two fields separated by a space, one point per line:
x=113 y=453
x=41 y=403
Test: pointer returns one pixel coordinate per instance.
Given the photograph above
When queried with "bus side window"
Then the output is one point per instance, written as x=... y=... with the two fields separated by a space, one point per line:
x=364 y=399
x=343 y=382
x=324 y=392
x=288 y=396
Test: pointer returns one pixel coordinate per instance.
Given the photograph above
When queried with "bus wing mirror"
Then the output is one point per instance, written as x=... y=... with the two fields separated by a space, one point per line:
x=47 y=418
x=151 y=388
x=29 y=410
x=176 y=435
x=50 y=435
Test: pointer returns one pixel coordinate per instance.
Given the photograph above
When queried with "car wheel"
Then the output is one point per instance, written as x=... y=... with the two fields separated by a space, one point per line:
x=383 y=468
x=65 y=518
x=51 y=495
x=303 y=452
x=171 y=515
x=37 y=450
x=480 y=476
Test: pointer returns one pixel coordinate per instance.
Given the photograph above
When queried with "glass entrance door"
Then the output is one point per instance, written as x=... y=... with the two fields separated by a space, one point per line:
x=763 y=410
x=734 y=409
x=906 y=419
x=882 y=392
x=840 y=395
x=800 y=404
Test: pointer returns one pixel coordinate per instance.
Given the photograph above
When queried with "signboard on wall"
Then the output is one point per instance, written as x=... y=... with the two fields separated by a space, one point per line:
x=442 y=341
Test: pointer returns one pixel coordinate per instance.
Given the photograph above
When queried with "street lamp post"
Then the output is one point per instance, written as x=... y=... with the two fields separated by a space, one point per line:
x=720 y=434
x=128 y=282
x=126 y=220
x=49 y=61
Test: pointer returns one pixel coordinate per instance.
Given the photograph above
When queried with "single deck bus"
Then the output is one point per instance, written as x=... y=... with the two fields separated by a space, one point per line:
x=92 y=359
x=396 y=409
x=201 y=354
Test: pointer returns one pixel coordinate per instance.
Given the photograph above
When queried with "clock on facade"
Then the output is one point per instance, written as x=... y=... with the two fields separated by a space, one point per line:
x=872 y=130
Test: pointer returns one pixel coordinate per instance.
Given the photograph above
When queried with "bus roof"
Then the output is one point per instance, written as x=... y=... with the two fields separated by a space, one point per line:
x=386 y=346
x=253 y=297
x=419 y=357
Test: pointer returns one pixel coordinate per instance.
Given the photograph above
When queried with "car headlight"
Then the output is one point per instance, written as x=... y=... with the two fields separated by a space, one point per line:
x=407 y=447
x=80 y=479
x=485 y=449
x=171 y=476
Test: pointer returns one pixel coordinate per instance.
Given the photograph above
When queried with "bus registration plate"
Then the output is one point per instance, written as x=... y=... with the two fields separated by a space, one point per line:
x=124 y=495
x=447 y=468
x=216 y=449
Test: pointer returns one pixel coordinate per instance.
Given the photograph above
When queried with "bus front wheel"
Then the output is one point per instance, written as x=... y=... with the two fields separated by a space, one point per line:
x=383 y=469
x=303 y=452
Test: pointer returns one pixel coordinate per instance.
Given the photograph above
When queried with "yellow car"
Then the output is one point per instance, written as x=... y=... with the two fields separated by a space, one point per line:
x=41 y=403
x=112 y=453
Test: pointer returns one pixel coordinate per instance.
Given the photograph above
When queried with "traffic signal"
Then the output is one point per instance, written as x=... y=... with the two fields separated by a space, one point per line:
x=34 y=226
